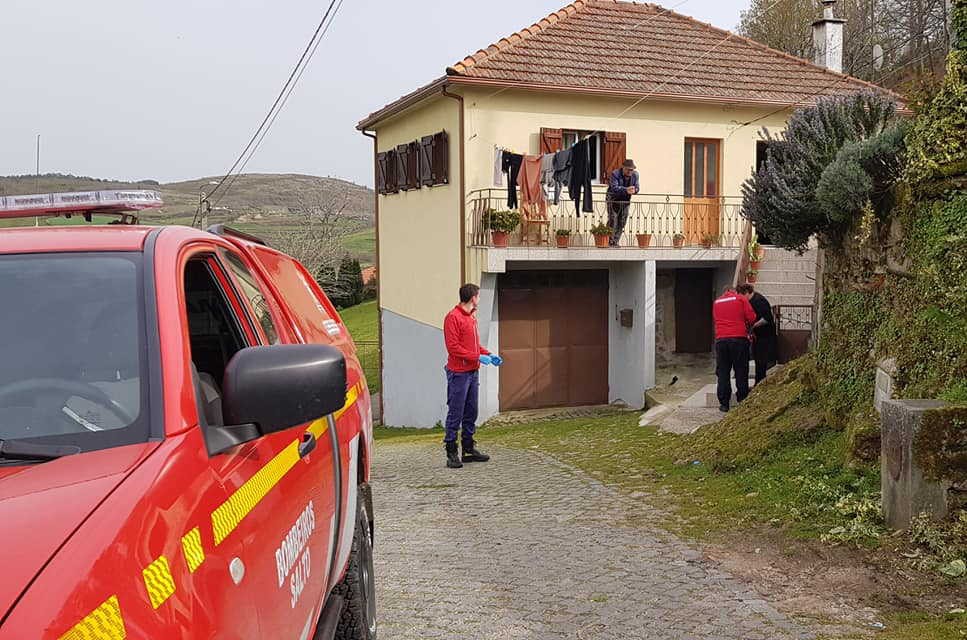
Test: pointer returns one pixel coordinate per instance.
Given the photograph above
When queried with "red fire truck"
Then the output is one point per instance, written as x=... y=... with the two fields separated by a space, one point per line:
x=185 y=439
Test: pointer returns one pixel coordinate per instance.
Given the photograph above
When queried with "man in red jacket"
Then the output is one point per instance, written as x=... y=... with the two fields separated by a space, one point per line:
x=464 y=357
x=734 y=318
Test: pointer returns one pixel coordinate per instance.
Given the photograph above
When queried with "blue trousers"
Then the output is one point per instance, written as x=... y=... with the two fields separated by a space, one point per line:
x=462 y=390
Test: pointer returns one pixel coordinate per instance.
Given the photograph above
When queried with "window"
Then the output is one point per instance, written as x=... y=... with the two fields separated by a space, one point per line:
x=701 y=168
x=213 y=328
x=252 y=293
x=571 y=137
x=74 y=361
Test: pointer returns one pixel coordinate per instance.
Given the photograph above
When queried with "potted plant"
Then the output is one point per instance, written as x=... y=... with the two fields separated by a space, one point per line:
x=644 y=240
x=752 y=276
x=755 y=253
x=678 y=240
x=563 y=238
x=708 y=240
x=602 y=234
x=501 y=225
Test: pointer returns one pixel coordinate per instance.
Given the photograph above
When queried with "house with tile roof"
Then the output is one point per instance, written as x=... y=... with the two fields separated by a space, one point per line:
x=580 y=325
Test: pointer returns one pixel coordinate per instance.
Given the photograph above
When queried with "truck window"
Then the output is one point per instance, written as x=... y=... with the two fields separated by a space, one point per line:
x=214 y=329
x=74 y=360
x=254 y=295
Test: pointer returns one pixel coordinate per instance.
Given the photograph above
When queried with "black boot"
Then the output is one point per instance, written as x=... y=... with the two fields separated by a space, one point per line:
x=453 y=460
x=470 y=453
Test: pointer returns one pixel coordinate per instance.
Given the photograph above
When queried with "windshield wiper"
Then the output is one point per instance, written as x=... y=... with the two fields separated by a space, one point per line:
x=33 y=452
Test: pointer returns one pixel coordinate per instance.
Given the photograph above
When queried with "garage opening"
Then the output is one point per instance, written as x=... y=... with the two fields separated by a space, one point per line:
x=554 y=338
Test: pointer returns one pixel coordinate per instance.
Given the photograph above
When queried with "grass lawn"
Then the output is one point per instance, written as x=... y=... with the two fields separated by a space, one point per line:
x=362 y=323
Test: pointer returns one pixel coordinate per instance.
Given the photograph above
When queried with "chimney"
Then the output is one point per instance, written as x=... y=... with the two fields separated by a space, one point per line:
x=828 y=39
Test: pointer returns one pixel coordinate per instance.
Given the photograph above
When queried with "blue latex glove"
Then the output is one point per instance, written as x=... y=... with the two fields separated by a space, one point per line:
x=496 y=360
x=486 y=360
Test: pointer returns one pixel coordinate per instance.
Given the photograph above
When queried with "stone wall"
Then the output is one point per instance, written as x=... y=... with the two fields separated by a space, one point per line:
x=664 y=315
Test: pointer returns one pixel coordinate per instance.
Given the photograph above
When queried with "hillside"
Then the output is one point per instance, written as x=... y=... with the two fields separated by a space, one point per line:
x=256 y=202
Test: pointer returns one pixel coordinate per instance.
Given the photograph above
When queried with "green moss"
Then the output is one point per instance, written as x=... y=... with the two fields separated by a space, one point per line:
x=940 y=447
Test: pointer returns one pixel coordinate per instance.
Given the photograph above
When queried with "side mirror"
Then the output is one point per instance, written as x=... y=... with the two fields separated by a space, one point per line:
x=281 y=386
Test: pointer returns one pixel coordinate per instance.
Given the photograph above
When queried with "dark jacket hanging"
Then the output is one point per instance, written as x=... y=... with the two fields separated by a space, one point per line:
x=511 y=164
x=581 y=178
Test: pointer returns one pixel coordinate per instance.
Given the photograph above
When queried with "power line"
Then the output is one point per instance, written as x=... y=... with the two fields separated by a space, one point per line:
x=285 y=99
x=283 y=93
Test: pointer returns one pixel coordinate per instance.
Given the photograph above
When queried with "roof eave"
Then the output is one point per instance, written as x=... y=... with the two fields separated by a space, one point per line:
x=402 y=104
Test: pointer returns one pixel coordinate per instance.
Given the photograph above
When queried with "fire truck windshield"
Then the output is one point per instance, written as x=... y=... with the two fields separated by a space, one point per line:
x=74 y=356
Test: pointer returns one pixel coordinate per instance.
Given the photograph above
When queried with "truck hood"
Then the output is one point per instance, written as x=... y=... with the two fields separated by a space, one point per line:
x=42 y=505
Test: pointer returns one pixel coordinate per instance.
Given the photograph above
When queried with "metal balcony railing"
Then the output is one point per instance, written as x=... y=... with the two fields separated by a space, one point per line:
x=698 y=221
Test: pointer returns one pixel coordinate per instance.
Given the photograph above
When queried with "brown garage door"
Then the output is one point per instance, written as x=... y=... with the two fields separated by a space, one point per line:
x=554 y=338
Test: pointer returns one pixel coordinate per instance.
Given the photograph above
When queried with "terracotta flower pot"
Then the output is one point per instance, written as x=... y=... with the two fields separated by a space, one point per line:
x=755 y=264
x=601 y=241
x=563 y=241
x=752 y=278
x=499 y=238
x=644 y=240
x=706 y=244
x=678 y=243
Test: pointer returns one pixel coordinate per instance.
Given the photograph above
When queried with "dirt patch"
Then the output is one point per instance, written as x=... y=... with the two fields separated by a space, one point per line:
x=847 y=591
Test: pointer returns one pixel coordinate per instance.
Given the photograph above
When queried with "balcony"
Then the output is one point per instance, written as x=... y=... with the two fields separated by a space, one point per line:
x=696 y=223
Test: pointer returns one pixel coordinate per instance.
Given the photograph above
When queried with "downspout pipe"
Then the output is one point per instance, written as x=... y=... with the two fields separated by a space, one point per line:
x=463 y=192
x=379 y=305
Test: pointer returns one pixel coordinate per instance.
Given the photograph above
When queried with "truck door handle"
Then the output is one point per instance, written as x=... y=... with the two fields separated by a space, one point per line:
x=308 y=444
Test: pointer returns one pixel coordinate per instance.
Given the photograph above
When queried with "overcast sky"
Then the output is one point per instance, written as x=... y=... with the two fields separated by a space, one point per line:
x=173 y=90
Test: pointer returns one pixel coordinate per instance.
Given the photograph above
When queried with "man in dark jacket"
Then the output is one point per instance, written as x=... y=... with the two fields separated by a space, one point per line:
x=464 y=357
x=622 y=185
x=765 y=344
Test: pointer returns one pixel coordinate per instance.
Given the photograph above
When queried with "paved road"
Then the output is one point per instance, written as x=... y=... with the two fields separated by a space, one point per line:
x=524 y=547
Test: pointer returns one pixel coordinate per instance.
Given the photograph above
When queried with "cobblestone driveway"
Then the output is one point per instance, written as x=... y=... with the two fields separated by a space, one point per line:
x=524 y=547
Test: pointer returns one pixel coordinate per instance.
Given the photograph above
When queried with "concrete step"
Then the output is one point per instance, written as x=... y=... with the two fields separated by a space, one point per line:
x=785 y=264
x=767 y=274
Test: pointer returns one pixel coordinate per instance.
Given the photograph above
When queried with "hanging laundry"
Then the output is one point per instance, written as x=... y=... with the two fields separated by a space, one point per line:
x=547 y=173
x=532 y=195
x=562 y=172
x=498 y=167
x=581 y=178
x=511 y=165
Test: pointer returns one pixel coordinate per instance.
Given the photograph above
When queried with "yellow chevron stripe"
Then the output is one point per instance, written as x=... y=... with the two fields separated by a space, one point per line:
x=231 y=512
x=158 y=581
x=104 y=623
x=194 y=553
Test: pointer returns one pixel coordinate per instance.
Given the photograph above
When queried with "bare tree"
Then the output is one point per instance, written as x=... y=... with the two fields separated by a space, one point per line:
x=911 y=34
x=319 y=240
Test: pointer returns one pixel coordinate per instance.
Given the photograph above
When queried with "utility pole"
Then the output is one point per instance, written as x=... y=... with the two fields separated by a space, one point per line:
x=37 y=179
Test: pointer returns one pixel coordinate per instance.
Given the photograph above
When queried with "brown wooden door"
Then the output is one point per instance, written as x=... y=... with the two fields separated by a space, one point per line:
x=694 y=330
x=703 y=191
x=554 y=338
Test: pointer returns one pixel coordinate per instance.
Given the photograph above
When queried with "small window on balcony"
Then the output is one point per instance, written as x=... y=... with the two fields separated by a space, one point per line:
x=572 y=136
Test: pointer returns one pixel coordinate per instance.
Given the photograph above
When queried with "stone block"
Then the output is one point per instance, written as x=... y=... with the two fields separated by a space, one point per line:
x=883 y=390
x=906 y=493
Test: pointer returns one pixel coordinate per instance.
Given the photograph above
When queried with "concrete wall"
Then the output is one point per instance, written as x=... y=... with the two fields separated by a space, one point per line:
x=664 y=314
x=656 y=132
x=631 y=351
x=414 y=383
x=420 y=245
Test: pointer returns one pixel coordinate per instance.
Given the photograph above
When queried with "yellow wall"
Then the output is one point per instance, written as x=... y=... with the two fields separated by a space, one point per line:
x=656 y=132
x=419 y=230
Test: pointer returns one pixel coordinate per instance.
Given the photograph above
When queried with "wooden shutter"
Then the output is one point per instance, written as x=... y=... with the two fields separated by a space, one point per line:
x=613 y=154
x=412 y=162
x=381 y=172
x=552 y=140
x=440 y=161
x=401 y=166
x=392 y=186
x=424 y=162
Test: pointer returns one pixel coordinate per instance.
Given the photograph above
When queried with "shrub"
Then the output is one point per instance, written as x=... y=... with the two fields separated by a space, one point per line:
x=601 y=229
x=781 y=197
x=501 y=221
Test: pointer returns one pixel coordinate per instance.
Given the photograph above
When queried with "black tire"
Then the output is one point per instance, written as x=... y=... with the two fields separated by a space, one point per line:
x=358 y=587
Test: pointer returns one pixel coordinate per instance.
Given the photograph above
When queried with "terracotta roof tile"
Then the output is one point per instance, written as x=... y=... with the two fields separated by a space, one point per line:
x=641 y=50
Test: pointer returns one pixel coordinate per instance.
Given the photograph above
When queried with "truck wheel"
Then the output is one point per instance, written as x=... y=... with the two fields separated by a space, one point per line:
x=358 y=588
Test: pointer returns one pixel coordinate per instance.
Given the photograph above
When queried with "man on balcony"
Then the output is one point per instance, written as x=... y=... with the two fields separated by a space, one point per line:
x=622 y=185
